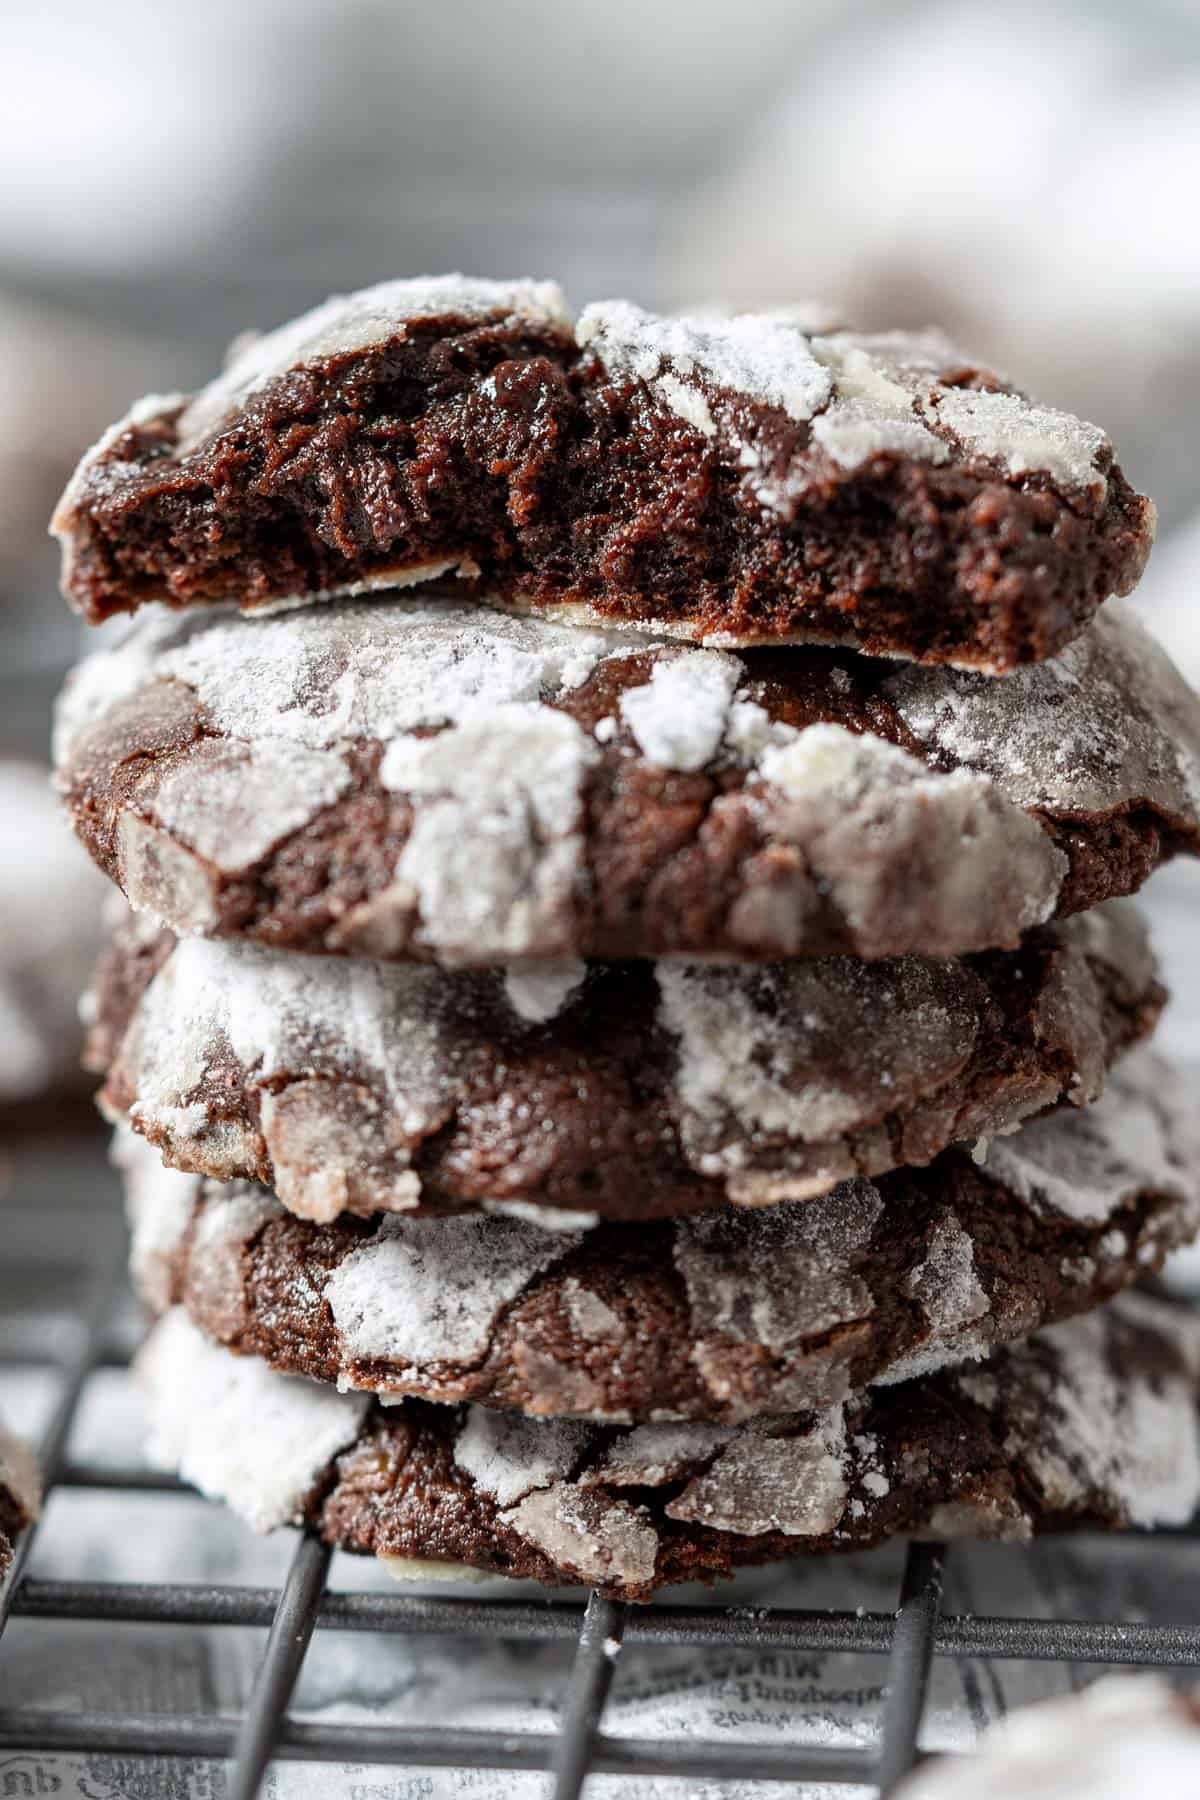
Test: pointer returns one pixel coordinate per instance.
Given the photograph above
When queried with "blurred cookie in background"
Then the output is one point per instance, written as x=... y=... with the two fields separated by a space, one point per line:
x=51 y=901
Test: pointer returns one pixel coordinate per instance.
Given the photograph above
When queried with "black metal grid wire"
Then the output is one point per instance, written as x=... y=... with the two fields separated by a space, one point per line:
x=909 y=1639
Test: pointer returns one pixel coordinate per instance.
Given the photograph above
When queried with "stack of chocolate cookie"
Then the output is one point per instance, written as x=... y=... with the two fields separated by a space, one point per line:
x=633 y=1062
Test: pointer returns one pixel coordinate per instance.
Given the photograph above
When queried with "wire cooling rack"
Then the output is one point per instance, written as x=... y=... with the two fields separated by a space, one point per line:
x=906 y=1640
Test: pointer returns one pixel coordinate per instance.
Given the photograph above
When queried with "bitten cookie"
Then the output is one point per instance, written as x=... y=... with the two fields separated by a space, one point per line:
x=1092 y=1423
x=437 y=782
x=1124 y=1735
x=633 y=1090
x=720 y=1317
x=725 y=479
x=20 y=1493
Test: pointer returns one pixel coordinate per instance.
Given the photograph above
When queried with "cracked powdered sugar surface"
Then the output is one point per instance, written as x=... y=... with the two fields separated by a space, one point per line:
x=507 y=1456
x=1139 y=1135
x=424 y=1291
x=495 y=852
x=1107 y=723
x=779 y=1275
x=803 y=1051
x=762 y=358
x=323 y=677
x=290 y=1016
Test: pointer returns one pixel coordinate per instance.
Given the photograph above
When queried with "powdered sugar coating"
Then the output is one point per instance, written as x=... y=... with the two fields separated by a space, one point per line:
x=325 y=677
x=347 y=323
x=946 y=1284
x=538 y=991
x=679 y=717
x=235 y=801
x=236 y=1430
x=337 y=1079
x=600 y=1539
x=1140 y=1134
x=762 y=1054
x=282 y=741
x=758 y=1482
x=303 y=1019
x=423 y=1291
x=1108 y=723
x=508 y=1457
x=775 y=1276
x=882 y=835
x=491 y=864
x=1024 y=438
x=878 y=380
x=755 y=356
x=1084 y=1426
x=789 y=1306
x=865 y=394
x=159 y=1204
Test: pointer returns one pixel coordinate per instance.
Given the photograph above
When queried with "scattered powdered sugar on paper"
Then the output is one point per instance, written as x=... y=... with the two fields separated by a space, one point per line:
x=803 y=1051
x=1137 y=1137
x=431 y=1290
x=538 y=991
x=237 y=1430
x=679 y=716
x=781 y=1274
x=507 y=1456
x=758 y=1483
x=493 y=856
x=754 y=356
x=1106 y=724
x=351 y=322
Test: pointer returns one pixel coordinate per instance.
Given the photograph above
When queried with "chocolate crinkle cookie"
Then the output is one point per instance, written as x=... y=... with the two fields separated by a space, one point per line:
x=20 y=1493
x=721 y=1317
x=428 y=780
x=1123 y=1735
x=636 y=1090
x=726 y=479
x=1088 y=1424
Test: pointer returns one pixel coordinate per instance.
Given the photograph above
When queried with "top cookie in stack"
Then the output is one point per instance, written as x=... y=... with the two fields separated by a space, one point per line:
x=493 y=951
x=720 y=479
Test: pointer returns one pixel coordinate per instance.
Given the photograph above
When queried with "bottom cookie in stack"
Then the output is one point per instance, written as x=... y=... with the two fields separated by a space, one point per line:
x=756 y=1385
x=1088 y=1423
